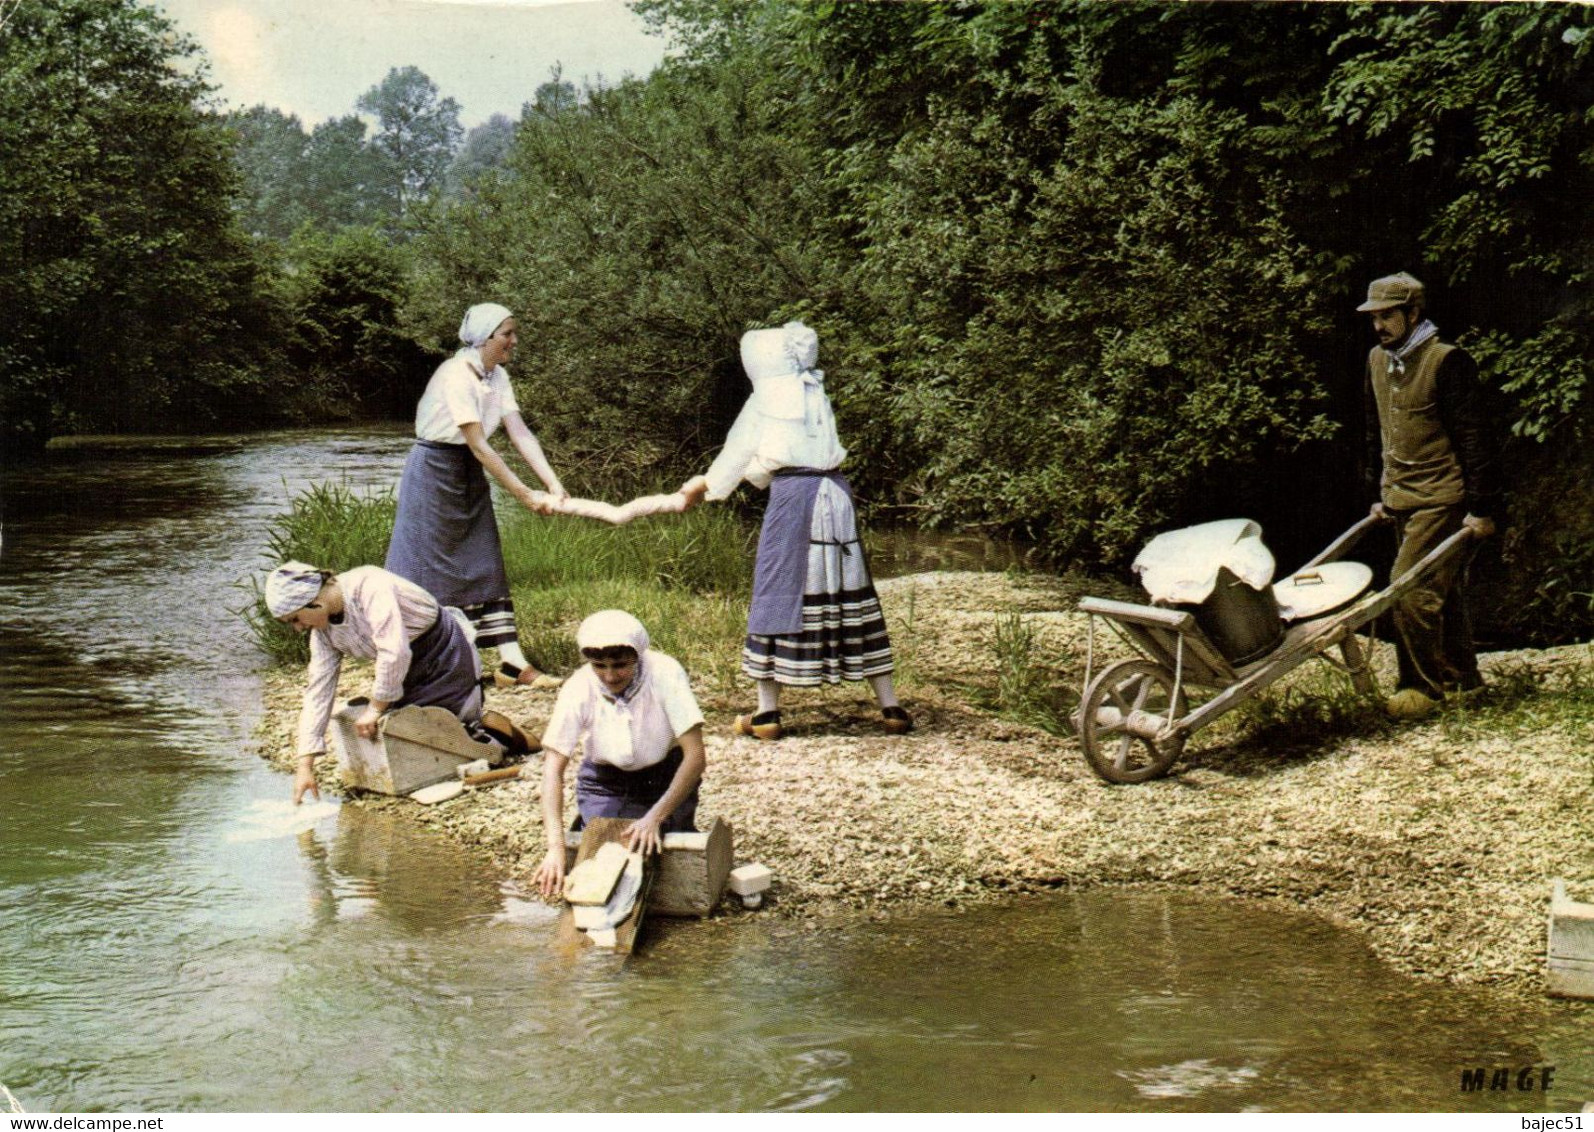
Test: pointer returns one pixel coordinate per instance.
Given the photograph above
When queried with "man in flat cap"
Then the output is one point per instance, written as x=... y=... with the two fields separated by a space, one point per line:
x=1433 y=451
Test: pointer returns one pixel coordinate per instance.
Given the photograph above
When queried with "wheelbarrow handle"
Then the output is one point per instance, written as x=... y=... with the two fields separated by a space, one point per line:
x=1343 y=544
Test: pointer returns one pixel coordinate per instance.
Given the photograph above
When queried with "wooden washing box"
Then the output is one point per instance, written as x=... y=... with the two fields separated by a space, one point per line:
x=690 y=875
x=1571 y=951
x=415 y=747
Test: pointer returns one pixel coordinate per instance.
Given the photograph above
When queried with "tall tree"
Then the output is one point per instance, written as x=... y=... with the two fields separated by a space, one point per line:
x=417 y=133
x=345 y=179
x=484 y=152
x=130 y=295
x=270 y=156
x=555 y=96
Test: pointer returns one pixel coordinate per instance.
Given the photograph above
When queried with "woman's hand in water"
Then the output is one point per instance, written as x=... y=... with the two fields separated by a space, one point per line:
x=304 y=780
x=550 y=875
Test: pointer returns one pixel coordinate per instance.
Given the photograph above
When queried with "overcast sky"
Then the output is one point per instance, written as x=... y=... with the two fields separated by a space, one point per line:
x=314 y=58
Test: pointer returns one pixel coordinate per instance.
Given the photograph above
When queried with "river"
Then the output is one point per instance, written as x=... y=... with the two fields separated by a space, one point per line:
x=172 y=941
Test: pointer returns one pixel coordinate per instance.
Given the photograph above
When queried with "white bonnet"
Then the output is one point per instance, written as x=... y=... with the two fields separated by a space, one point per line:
x=610 y=627
x=480 y=322
x=792 y=348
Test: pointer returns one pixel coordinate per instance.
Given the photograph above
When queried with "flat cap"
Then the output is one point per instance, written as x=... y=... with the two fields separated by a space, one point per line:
x=1392 y=291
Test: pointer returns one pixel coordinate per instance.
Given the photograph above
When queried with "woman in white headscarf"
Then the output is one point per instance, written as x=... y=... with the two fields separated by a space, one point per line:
x=631 y=713
x=445 y=538
x=422 y=651
x=815 y=617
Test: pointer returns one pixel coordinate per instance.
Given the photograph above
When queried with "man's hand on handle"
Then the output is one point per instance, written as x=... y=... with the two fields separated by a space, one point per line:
x=1478 y=526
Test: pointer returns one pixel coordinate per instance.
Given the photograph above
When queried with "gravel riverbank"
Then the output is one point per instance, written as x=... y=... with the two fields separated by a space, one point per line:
x=1438 y=841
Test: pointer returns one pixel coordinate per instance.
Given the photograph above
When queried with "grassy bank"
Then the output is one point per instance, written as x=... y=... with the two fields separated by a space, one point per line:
x=685 y=576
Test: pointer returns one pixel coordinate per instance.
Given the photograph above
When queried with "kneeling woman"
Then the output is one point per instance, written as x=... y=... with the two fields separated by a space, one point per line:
x=631 y=711
x=423 y=651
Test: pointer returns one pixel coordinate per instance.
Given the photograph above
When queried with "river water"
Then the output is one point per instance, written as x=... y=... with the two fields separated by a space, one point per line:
x=174 y=937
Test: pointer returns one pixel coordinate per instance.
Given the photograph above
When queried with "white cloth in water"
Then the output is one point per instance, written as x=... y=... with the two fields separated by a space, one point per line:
x=1182 y=566
x=268 y=818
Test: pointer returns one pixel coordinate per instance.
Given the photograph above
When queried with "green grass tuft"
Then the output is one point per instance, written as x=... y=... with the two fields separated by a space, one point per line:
x=330 y=526
x=686 y=577
x=1026 y=690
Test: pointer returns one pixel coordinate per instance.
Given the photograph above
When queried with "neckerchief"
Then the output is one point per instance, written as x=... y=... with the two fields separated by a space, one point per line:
x=1397 y=358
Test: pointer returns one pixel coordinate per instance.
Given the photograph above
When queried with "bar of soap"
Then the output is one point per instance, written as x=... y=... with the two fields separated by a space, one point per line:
x=593 y=880
x=748 y=880
x=438 y=792
x=693 y=841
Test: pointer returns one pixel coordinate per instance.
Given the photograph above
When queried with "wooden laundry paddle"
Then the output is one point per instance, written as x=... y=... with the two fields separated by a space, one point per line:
x=596 y=834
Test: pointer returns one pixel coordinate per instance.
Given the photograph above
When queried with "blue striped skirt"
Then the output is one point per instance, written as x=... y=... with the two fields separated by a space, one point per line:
x=815 y=617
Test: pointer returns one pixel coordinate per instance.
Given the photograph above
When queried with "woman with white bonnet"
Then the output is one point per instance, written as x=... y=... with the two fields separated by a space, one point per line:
x=445 y=538
x=423 y=653
x=815 y=617
x=631 y=713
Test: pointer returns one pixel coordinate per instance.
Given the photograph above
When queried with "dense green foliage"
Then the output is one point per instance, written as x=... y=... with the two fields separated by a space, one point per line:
x=1081 y=271
x=342 y=337
x=130 y=297
x=329 y=179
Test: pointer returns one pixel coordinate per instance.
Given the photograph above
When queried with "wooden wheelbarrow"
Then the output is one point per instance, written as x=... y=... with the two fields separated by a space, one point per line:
x=1134 y=716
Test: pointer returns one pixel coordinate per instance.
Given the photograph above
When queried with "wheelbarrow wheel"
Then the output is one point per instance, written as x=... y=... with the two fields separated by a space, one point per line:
x=1125 y=689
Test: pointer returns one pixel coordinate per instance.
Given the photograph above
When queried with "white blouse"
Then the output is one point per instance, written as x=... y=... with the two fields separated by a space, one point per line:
x=786 y=423
x=633 y=732
x=459 y=395
x=382 y=614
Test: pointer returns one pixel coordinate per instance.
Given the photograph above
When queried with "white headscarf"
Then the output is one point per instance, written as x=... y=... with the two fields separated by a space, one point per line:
x=610 y=627
x=291 y=587
x=611 y=721
x=480 y=322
